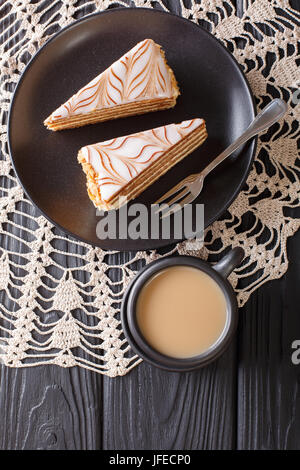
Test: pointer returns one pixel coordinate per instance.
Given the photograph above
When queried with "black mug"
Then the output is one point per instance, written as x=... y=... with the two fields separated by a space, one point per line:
x=219 y=273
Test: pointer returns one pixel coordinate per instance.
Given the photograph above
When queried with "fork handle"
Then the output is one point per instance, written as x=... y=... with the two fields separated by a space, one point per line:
x=274 y=111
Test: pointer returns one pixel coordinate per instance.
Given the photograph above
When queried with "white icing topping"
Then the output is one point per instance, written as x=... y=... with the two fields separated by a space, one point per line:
x=139 y=75
x=118 y=161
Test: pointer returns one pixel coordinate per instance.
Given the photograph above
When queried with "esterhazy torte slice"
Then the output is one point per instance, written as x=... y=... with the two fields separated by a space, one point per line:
x=123 y=167
x=139 y=82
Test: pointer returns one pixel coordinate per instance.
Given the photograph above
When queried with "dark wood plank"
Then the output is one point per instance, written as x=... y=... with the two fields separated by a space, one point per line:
x=268 y=382
x=153 y=409
x=50 y=408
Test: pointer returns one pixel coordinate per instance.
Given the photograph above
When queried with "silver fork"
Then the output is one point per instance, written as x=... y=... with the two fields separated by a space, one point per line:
x=188 y=189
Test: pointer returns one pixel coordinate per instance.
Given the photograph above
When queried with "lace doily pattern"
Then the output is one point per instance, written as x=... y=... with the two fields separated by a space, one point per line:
x=60 y=298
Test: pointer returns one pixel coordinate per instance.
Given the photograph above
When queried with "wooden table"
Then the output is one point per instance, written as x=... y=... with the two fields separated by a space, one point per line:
x=248 y=399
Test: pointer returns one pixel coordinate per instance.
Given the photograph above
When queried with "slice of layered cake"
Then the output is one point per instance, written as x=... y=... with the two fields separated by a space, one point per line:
x=140 y=82
x=123 y=167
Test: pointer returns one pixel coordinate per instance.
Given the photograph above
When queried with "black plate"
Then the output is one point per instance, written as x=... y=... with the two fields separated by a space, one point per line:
x=212 y=86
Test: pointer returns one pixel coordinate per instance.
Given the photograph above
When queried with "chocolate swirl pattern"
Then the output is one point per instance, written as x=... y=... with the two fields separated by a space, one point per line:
x=141 y=74
x=116 y=162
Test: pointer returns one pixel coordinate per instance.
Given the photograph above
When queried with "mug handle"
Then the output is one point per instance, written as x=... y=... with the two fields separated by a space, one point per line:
x=230 y=261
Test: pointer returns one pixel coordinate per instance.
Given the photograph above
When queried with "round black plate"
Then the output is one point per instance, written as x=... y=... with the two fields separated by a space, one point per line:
x=212 y=86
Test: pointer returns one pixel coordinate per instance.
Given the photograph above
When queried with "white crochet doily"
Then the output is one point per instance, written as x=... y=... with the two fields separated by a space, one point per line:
x=59 y=304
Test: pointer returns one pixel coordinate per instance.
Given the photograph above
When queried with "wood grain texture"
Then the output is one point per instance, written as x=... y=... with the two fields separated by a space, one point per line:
x=50 y=408
x=154 y=409
x=268 y=382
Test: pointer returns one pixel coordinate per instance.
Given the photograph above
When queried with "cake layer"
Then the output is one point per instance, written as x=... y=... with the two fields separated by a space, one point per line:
x=120 y=111
x=141 y=75
x=126 y=166
x=151 y=174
